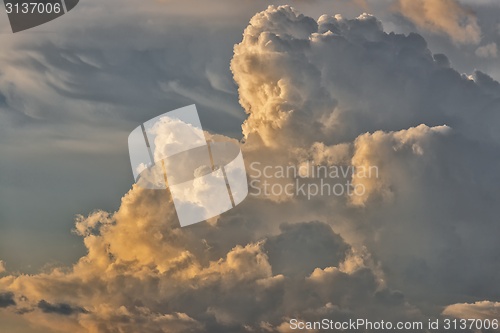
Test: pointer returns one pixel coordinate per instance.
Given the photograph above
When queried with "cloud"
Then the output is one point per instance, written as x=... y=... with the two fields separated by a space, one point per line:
x=377 y=149
x=319 y=247
x=310 y=94
x=61 y=308
x=332 y=91
x=487 y=51
x=164 y=282
x=350 y=91
x=265 y=92
x=447 y=17
x=6 y=300
x=478 y=310
x=2 y=267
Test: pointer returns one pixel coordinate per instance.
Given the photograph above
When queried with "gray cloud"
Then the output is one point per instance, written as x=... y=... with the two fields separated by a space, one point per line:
x=6 y=300
x=308 y=246
x=60 y=308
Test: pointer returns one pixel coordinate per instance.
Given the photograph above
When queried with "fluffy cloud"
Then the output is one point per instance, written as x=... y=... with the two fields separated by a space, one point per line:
x=447 y=17
x=334 y=91
x=296 y=94
x=144 y=272
x=270 y=93
x=339 y=90
x=377 y=149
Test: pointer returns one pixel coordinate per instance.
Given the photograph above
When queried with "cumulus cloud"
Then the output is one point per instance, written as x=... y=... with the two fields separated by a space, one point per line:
x=314 y=101
x=448 y=17
x=378 y=148
x=342 y=91
x=169 y=280
x=333 y=91
x=2 y=267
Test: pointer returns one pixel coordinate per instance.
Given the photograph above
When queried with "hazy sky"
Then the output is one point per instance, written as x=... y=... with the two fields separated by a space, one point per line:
x=409 y=87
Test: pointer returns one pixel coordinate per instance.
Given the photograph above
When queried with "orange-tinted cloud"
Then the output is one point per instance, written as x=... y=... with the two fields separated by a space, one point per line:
x=447 y=17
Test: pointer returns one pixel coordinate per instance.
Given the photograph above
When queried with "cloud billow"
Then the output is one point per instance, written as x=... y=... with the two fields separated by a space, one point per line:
x=334 y=91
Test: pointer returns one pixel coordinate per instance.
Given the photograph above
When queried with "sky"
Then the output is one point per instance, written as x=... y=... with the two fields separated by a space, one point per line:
x=410 y=87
